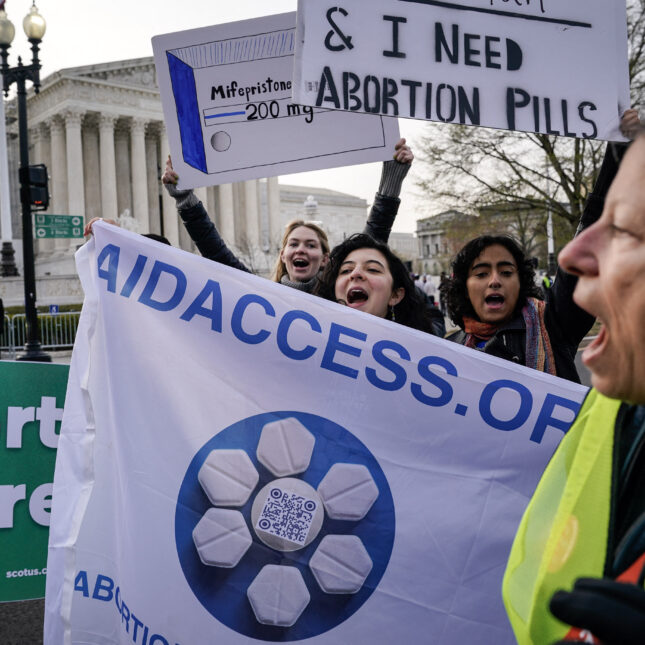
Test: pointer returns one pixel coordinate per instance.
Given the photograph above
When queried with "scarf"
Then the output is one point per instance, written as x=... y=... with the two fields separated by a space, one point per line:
x=539 y=353
x=307 y=286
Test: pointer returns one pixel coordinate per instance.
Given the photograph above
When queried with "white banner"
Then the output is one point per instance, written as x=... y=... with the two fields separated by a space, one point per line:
x=242 y=462
x=226 y=96
x=551 y=66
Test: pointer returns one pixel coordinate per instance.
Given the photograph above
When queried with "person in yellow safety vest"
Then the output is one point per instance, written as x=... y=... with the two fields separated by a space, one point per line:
x=577 y=565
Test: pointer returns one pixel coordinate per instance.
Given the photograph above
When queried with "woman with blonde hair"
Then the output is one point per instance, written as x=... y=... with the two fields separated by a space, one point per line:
x=304 y=252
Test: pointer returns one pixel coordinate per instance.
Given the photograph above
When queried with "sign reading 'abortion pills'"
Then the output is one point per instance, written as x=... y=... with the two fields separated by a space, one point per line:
x=557 y=67
x=226 y=95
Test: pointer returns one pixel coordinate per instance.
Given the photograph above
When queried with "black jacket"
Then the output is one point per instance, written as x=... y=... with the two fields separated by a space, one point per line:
x=565 y=322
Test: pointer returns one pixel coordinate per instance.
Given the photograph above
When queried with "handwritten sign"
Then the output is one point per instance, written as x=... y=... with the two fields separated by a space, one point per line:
x=226 y=95
x=556 y=67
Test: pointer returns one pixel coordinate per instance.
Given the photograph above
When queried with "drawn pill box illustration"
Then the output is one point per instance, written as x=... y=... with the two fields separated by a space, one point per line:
x=234 y=107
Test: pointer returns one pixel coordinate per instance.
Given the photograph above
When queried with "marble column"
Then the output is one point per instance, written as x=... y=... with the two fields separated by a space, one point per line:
x=109 y=209
x=227 y=213
x=91 y=170
x=276 y=228
x=122 y=153
x=252 y=218
x=170 y=216
x=153 y=179
x=75 y=182
x=139 y=181
x=74 y=146
x=58 y=168
x=60 y=182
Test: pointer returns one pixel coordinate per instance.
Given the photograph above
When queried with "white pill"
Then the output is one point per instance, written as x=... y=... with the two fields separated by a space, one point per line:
x=340 y=564
x=348 y=491
x=228 y=477
x=221 y=537
x=287 y=514
x=278 y=595
x=285 y=447
x=221 y=141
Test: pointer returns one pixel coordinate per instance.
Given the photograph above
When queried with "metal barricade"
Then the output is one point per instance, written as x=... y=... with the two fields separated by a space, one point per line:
x=7 y=345
x=57 y=331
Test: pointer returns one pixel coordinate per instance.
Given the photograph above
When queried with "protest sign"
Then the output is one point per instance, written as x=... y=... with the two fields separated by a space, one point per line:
x=226 y=96
x=31 y=407
x=240 y=462
x=551 y=66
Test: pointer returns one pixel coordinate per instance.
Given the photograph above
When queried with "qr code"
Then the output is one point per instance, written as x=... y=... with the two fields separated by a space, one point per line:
x=287 y=515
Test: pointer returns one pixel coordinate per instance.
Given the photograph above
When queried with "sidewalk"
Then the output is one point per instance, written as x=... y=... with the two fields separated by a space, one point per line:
x=63 y=357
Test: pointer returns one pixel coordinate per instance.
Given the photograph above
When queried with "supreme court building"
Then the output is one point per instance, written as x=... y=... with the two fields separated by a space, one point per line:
x=99 y=129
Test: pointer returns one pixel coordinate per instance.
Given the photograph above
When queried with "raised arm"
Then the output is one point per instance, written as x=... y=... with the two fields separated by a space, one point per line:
x=386 y=201
x=201 y=229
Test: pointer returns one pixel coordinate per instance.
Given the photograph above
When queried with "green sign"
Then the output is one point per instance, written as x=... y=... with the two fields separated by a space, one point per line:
x=31 y=406
x=48 y=226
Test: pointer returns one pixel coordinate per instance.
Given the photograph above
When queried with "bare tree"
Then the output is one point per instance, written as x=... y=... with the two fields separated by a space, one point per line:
x=472 y=169
x=252 y=255
x=526 y=225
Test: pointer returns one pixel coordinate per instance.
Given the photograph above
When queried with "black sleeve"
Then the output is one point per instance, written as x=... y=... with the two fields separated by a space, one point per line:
x=202 y=231
x=563 y=317
x=437 y=320
x=613 y=611
x=381 y=218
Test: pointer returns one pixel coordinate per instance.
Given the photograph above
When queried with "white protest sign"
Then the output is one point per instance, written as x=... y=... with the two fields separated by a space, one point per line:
x=226 y=96
x=241 y=462
x=551 y=66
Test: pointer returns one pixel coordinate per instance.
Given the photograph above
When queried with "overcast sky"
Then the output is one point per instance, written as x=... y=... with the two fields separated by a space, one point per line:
x=84 y=32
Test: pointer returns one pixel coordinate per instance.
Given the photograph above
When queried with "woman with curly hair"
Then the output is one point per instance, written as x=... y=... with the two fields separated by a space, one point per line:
x=366 y=275
x=492 y=296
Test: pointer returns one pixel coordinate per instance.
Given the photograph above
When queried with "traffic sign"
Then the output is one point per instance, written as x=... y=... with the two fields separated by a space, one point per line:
x=48 y=226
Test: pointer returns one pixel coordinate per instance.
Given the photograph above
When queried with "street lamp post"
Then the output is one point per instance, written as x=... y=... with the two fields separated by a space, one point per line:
x=34 y=26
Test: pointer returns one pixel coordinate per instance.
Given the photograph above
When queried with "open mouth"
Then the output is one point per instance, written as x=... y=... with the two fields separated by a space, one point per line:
x=494 y=300
x=300 y=263
x=356 y=295
x=593 y=349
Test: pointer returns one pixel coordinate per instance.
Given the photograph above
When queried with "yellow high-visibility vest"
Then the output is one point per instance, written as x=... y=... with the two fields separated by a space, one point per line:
x=563 y=534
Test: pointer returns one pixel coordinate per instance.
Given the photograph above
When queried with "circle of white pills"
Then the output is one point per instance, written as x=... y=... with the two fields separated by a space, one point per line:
x=286 y=515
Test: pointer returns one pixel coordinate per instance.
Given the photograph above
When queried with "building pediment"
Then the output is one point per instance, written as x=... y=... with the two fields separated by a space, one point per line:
x=138 y=72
